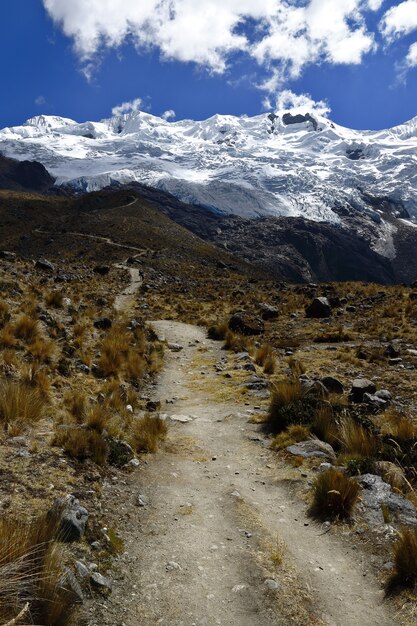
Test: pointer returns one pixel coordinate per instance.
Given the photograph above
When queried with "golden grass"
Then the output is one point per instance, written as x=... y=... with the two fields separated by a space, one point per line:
x=405 y=560
x=325 y=426
x=293 y=434
x=334 y=495
x=54 y=298
x=32 y=569
x=26 y=327
x=147 y=432
x=20 y=406
x=356 y=440
x=82 y=444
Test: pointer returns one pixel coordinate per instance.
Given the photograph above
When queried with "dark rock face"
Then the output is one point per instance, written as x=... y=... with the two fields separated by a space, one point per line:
x=319 y=308
x=24 y=176
x=288 y=119
x=246 y=324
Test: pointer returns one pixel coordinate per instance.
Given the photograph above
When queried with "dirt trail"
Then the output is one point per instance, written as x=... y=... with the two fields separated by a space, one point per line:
x=205 y=548
x=125 y=300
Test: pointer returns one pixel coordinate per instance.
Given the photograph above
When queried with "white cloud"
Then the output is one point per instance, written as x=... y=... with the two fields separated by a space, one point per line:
x=40 y=101
x=411 y=58
x=127 y=107
x=288 y=34
x=168 y=115
x=399 y=20
x=300 y=103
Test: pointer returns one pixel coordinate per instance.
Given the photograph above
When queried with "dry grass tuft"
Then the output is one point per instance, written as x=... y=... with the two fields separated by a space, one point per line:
x=76 y=402
x=82 y=444
x=54 y=298
x=405 y=559
x=42 y=349
x=263 y=353
x=290 y=405
x=32 y=571
x=325 y=426
x=20 y=406
x=147 y=433
x=218 y=332
x=334 y=495
x=26 y=328
x=293 y=434
x=114 y=351
x=356 y=440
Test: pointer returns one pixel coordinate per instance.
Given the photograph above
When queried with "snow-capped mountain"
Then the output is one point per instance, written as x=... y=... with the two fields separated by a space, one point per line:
x=283 y=164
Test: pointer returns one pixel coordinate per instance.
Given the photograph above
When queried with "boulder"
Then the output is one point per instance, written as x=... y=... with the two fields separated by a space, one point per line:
x=268 y=312
x=72 y=518
x=246 y=324
x=313 y=448
x=360 y=386
x=44 y=264
x=101 y=583
x=378 y=495
x=319 y=308
x=333 y=385
x=374 y=402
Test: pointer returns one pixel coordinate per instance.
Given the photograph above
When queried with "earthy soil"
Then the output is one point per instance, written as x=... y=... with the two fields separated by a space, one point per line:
x=220 y=540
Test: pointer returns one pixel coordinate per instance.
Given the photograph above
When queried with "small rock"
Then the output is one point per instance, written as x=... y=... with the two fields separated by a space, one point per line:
x=100 y=582
x=172 y=565
x=175 y=347
x=311 y=449
x=272 y=584
x=182 y=419
x=103 y=323
x=153 y=405
x=142 y=501
x=44 y=264
x=81 y=569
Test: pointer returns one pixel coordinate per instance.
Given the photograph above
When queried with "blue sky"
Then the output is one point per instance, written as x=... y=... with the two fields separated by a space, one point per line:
x=80 y=59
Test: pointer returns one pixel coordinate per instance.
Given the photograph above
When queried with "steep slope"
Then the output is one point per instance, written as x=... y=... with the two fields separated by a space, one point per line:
x=24 y=176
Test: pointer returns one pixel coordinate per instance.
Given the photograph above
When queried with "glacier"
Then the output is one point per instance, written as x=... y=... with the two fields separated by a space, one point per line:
x=275 y=164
